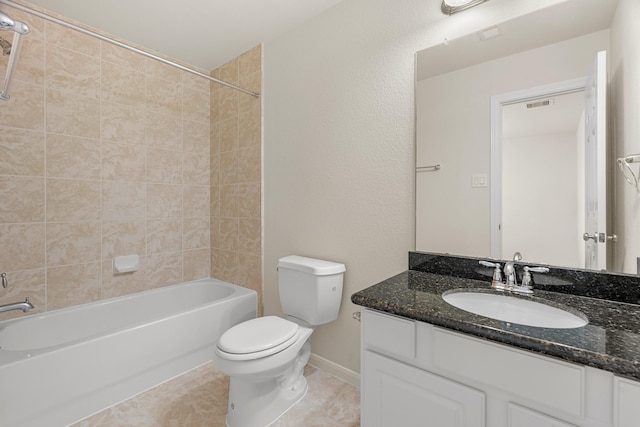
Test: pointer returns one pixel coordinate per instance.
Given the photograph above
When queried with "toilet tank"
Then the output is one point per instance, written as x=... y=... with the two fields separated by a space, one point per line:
x=310 y=289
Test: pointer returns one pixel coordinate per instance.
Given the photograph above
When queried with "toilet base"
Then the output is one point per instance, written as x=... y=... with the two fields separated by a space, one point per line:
x=260 y=403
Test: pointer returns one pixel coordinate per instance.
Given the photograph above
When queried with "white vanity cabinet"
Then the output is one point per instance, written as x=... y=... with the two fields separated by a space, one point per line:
x=417 y=374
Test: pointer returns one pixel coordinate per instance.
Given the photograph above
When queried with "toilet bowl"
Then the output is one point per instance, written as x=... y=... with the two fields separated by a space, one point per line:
x=267 y=382
x=265 y=357
x=277 y=353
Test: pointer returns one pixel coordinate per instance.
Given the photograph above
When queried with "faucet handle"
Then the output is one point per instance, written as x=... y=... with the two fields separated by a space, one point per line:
x=496 y=280
x=527 y=281
x=537 y=269
x=489 y=264
x=5 y=282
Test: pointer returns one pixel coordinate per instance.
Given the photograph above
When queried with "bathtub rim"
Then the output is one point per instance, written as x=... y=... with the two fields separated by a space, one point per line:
x=8 y=357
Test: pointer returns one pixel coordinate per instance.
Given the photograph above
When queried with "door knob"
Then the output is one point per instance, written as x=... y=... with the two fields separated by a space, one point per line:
x=600 y=237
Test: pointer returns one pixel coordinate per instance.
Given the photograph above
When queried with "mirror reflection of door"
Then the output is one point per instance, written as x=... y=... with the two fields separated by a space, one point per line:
x=553 y=203
x=595 y=235
x=543 y=179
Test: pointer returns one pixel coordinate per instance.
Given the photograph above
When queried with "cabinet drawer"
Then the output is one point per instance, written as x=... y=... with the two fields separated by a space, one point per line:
x=550 y=382
x=391 y=334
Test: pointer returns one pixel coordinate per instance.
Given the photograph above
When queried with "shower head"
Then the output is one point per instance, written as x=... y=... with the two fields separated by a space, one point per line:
x=6 y=23
x=20 y=29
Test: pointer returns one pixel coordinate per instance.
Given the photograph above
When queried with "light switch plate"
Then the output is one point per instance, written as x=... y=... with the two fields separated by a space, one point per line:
x=479 y=180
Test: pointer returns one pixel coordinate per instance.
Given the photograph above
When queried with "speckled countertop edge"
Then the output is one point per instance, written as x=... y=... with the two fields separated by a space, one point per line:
x=611 y=340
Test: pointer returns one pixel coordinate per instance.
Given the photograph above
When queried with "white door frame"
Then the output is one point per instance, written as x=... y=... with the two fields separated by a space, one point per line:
x=497 y=102
x=596 y=197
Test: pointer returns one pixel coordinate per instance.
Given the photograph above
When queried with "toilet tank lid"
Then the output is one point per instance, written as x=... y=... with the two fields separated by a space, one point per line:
x=314 y=266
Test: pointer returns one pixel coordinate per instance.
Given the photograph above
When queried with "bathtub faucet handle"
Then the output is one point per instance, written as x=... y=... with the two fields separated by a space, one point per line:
x=5 y=282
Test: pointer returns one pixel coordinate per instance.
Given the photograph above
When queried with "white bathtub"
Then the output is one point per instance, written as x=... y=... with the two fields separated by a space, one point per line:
x=64 y=365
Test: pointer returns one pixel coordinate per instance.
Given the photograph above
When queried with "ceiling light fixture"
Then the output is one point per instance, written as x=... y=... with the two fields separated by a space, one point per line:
x=452 y=6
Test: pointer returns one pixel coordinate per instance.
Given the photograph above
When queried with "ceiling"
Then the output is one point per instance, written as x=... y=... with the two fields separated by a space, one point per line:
x=563 y=21
x=209 y=33
x=204 y=33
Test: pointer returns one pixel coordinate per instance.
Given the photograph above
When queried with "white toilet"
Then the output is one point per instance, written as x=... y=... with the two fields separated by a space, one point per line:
x=265 y=357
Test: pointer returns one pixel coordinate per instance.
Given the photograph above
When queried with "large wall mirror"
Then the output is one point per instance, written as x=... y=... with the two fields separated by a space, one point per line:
x=538 y=195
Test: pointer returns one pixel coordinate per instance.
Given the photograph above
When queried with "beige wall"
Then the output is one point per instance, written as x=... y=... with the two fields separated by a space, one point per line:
x=625 y=99
x=102 y=153
x=236 y=173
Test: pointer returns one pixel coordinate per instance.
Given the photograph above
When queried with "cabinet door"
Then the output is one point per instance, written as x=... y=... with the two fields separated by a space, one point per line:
x=524 y=417
x=395 y=394
x=626 y=403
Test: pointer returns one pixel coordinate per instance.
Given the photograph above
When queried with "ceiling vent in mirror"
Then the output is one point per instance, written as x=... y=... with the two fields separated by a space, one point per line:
x=536 y=104
x=489 y=33
x=453 y=6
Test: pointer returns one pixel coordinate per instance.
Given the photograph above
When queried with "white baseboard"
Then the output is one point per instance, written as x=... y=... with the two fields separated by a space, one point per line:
x=338 y=371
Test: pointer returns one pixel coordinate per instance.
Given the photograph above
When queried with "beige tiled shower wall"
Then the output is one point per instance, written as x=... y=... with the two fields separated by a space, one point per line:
x=104 y=152
x=236 y=173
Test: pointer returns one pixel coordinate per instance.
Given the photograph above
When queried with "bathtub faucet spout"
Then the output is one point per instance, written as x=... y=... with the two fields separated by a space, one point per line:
x=24 y=306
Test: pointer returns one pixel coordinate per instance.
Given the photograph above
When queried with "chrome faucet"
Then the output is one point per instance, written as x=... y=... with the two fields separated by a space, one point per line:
x=510 y=275
x=511 y=278
x=24 y=306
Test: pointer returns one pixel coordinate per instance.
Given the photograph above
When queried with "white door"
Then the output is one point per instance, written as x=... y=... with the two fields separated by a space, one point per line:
x=595 y=235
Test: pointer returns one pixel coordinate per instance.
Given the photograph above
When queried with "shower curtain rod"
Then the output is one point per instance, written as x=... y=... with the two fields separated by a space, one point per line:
x=125 y=46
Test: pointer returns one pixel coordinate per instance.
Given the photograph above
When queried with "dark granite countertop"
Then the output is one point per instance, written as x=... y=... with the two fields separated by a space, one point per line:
x=610 y=341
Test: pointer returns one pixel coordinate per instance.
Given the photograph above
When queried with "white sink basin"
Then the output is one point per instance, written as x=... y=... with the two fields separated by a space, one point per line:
x=514 y=310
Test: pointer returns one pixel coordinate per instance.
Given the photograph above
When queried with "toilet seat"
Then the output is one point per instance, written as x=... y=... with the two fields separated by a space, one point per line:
x=256 y=338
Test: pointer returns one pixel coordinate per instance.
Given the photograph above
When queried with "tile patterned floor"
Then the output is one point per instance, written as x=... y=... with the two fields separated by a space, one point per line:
x=199 y=399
